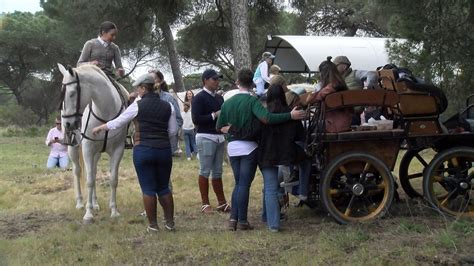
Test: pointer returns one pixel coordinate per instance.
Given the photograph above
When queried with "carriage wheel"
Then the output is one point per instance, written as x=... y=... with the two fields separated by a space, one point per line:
x=448 y=182
x=411 y=171
x=356 y=187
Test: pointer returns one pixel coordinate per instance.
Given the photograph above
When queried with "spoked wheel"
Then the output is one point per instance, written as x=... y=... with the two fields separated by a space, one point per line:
x=448 y=183
x=356 y=187
x=411 y=171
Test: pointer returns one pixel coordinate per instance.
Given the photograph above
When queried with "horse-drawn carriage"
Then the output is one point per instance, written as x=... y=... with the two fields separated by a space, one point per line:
x=351 y=174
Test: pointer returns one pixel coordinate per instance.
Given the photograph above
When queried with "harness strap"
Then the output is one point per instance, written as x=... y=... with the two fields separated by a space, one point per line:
x=87 y=125
x=105 y=141
x=103 y=120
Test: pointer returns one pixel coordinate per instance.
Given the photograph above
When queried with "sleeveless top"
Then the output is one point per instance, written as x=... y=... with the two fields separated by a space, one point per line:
x=151 y=122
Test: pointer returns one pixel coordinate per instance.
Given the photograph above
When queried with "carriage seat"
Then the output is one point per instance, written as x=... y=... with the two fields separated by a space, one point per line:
x=420 y=99
x=352 y=98
x=416 y=99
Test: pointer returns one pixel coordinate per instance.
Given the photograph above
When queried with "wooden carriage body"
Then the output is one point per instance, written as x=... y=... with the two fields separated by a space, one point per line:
x=416 y=125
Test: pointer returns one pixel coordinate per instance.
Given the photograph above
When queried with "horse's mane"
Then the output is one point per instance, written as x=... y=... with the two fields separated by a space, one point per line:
x=89 y=67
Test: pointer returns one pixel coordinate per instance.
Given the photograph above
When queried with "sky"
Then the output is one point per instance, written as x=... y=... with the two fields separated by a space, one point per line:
x=9 y=6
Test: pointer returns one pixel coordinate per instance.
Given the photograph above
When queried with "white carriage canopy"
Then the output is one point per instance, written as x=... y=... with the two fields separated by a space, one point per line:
x=303 y=54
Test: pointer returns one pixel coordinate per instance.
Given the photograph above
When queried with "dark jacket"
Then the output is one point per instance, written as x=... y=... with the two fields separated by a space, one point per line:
x=277 y=143
x=204 y=105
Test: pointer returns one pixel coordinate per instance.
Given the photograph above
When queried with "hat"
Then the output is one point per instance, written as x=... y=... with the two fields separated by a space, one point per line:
x=266 y=55
x=278 y=80
x=210 y=73
x=144 y=79
x=341 y=60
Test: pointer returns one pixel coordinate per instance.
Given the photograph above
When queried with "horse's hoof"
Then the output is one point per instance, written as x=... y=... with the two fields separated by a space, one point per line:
x=96 y=207
x=114 y=214
x=79 y=205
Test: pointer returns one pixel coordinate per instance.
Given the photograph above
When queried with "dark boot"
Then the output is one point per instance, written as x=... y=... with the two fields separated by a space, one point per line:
x=204 y=189
x=219 y=190
x=167 y=204
x=150 y=208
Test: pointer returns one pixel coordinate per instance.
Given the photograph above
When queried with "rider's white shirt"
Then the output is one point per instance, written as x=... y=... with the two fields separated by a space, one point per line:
x=104 y=43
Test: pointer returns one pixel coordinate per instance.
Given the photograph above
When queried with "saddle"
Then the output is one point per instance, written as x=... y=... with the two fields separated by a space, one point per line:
x=124 y=96
x=120 y=89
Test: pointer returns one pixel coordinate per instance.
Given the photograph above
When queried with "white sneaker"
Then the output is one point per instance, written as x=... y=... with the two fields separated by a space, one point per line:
x=189 y=158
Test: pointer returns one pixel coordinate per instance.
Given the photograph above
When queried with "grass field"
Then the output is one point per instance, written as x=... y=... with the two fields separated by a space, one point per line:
x=39 y=224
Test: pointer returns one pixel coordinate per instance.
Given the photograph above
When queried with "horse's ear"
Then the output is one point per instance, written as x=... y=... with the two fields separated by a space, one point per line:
x=69 y=68
x=62 y=69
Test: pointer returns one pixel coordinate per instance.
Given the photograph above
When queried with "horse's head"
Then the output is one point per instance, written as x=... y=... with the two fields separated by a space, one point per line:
x=72 y=102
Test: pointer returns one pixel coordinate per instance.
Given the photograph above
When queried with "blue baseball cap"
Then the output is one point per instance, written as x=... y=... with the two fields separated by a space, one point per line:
x=210 y=73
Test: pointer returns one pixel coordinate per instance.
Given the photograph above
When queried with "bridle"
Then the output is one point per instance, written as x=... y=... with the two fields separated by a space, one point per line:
x=77 y=114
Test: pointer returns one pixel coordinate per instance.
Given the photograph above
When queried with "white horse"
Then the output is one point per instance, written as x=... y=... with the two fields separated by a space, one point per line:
x=90 y=96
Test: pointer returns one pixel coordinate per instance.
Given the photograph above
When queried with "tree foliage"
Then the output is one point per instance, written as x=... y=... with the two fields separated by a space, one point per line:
x=440 y=44
x=29 y=45
x=207 y=39
x=346 y=17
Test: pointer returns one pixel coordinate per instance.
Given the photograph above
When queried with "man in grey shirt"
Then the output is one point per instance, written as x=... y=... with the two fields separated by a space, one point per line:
x=352 y=77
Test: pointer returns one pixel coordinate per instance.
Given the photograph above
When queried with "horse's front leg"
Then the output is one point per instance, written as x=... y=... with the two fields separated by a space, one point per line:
x=75 y=156
x=115 y=158
x=95 y=204
x=90 y=161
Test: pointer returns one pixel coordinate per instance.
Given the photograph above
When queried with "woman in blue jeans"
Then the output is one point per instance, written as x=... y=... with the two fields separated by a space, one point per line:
x=155 y=122
x=277 y=147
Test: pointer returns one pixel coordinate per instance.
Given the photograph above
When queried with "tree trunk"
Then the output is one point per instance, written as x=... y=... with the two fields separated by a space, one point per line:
x=13 y=84
x=240 y=34
x=19 y=98
x=173 y=56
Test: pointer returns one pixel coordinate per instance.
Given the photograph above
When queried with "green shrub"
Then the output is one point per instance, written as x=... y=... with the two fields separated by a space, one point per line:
x=17 y=116
x=15 y=131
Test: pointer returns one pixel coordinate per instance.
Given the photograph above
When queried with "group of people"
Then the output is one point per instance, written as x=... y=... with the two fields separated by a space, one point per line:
x=266 y=134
